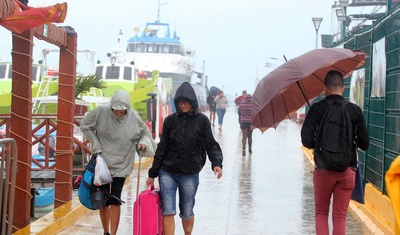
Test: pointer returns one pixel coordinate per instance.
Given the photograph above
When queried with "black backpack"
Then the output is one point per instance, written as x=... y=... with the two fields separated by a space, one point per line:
x=334 y=138
x=210 y=100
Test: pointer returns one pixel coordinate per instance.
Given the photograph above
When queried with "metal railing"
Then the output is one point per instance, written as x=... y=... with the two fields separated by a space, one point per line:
x=8 y=170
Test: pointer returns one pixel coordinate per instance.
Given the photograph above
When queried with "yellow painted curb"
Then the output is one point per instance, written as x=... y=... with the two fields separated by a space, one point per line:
x=57 y=220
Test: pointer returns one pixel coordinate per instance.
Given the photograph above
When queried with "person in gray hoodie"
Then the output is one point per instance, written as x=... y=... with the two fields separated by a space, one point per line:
x=113 y=132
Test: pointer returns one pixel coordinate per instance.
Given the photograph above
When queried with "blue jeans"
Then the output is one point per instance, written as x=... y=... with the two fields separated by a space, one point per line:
x=221 y=114
x=187 y=185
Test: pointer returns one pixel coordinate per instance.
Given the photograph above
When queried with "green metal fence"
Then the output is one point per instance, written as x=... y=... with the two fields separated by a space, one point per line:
x=382 y=114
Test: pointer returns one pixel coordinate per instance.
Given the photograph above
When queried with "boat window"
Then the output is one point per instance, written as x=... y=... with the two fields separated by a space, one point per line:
x=130 y=48
x=10 y=72
x=136 y=47
x=128 y=74
x=164 y=49
x=177 y=50
x=112 y=72
x=152 y=48
x=3 y=69
x=176 y=77
x=35 y=70
x=148 y=74
x=139 y=48
x=99 y=71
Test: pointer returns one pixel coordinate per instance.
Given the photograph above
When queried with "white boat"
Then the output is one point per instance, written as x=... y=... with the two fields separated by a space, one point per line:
x=156 y=49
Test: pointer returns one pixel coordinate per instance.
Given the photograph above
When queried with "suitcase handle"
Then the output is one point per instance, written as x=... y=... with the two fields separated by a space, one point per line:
x=138 y=177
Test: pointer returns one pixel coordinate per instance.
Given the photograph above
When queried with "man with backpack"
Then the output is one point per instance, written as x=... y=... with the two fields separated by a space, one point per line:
x=334 y=128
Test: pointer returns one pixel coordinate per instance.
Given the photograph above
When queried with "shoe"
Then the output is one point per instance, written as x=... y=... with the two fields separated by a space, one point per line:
x=213 y=125
x=220 y=128
x=106 y=233
x=250 y=150
x=244 y=152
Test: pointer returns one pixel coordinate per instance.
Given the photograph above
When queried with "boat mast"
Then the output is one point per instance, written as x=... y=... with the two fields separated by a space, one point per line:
x=158 y=10
x=119 y=39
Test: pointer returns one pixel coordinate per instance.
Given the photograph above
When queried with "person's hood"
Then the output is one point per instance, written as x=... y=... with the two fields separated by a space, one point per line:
x=185 y=92
x=120 y=100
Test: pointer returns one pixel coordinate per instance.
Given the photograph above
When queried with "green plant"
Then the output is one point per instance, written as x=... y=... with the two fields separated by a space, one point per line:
x=85 y=82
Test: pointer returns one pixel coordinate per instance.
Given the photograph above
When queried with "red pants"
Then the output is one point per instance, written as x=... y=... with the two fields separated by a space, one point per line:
x=341 y=185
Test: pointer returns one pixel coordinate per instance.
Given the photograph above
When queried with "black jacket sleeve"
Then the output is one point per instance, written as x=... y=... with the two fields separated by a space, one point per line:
x=212 y=147
x=161 y=147
x=309 y=127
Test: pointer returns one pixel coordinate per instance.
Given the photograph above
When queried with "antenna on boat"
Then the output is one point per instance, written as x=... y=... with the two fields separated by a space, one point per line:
x=119 y=39
x=158 y=9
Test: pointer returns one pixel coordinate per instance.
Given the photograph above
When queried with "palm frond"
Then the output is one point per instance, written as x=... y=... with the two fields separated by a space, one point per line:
x=85 y=82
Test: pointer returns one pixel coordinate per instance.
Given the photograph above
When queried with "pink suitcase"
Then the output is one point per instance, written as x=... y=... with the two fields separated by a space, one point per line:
x=147 y=218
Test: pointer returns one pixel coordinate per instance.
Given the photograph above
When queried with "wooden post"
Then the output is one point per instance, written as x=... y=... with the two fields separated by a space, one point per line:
x=65 y=117
x=21 y=125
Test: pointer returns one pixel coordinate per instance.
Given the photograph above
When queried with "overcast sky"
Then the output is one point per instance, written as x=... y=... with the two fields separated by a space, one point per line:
x=234 y=38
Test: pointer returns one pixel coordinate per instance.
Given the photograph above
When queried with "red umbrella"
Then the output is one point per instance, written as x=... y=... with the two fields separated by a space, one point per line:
x=296 y=82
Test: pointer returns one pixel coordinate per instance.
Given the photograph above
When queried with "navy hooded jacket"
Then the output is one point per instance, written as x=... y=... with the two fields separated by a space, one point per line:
x=186 y=139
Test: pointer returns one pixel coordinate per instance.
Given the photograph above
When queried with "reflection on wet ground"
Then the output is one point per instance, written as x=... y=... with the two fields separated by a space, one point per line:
x=267 y=192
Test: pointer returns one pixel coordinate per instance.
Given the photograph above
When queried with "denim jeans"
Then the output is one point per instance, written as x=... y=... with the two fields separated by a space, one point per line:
x=221 y=114
x=187 y=186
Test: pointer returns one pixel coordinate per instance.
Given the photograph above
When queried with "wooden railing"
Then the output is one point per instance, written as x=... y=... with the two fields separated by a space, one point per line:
x=44 y=128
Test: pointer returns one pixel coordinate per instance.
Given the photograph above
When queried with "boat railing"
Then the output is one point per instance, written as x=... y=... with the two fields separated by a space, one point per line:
x=94 y=97
x=43 y=91
x=8 y=169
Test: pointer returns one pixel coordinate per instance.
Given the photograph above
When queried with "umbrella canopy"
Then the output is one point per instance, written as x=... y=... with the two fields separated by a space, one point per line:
x=296 y=82
x=214 y=91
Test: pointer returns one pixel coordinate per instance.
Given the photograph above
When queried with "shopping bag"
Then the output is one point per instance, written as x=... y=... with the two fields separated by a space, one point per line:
x=102 y=174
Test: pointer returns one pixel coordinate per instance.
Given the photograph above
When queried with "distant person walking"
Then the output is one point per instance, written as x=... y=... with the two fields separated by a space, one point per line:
x=239 y=100
x=212 y=107
x=185 y=142
x=334 y=182
x=245 y=122
x=222 y=104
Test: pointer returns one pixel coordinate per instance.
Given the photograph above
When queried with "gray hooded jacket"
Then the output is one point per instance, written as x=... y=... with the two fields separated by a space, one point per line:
x=115 y=138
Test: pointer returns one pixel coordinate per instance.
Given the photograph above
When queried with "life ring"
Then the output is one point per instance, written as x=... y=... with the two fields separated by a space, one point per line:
x=161 y=91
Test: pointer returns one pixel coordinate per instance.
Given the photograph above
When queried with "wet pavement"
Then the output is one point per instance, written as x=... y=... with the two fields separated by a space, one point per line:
x=267 y=192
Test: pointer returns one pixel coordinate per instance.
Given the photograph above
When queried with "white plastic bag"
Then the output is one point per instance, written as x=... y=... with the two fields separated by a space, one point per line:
x=102 y=174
